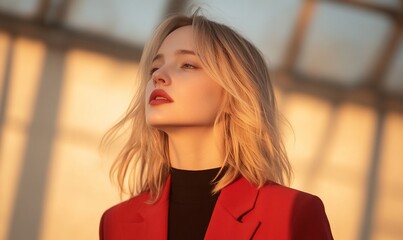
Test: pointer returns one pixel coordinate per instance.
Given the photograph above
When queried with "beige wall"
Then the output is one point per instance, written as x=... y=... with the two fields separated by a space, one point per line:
x=331 y=146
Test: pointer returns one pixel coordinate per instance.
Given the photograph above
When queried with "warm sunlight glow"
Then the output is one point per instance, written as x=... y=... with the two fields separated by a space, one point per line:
x=26 y=66
x=331 y=151
x=97 y=89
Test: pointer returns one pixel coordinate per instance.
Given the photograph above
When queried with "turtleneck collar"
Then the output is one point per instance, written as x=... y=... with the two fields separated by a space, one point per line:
x=193 y=186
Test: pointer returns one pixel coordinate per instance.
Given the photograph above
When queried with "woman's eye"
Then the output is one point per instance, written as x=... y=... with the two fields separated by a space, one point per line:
x=188 y=66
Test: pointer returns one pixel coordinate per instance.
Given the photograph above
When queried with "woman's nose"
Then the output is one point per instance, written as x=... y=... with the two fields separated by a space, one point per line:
x=160 y=78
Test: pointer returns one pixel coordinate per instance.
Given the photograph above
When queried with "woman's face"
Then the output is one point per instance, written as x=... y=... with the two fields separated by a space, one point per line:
x=179 y=92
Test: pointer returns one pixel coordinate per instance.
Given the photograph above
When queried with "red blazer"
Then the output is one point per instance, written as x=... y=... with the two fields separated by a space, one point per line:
x=242 y=212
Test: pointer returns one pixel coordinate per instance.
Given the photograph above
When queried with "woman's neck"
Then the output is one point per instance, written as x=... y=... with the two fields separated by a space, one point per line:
x=195 y=148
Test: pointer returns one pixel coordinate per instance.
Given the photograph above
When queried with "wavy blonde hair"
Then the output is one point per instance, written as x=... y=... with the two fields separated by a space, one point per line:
x=252 y=142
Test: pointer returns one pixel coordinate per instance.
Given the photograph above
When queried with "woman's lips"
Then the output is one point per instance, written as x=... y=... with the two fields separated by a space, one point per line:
x=159 y=96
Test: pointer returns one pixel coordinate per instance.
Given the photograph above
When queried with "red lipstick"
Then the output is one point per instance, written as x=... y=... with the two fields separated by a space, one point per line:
x=159 y=96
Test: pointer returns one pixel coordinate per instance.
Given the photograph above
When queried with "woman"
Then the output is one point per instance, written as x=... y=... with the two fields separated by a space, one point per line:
x=204 y=159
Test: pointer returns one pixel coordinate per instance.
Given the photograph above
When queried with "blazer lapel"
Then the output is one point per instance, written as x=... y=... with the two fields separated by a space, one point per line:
x=235 y=200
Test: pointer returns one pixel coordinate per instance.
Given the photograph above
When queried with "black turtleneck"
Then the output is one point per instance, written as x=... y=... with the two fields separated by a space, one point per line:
x=191 y=203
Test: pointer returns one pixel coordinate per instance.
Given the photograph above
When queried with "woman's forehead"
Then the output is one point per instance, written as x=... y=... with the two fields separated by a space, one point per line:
x=180 y=38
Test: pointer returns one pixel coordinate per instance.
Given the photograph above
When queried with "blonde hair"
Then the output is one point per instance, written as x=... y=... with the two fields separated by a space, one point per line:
x=250 y=120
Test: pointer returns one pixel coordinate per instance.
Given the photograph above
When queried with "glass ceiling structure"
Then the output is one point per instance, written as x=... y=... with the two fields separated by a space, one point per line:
x=353 y=46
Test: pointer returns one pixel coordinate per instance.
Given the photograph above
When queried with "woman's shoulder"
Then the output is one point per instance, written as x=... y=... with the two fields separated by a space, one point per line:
x=119 y=215
x=295 y=211
x=278 y=195
x=131 y=205
x=282 y=198
x=275 y=190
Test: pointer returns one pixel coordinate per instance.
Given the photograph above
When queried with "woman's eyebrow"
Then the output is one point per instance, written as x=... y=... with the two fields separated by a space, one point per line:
x=184 y=51
x=177 y=52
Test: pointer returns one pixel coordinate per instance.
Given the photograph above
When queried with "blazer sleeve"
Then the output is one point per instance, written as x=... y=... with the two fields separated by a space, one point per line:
x=309 y=220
